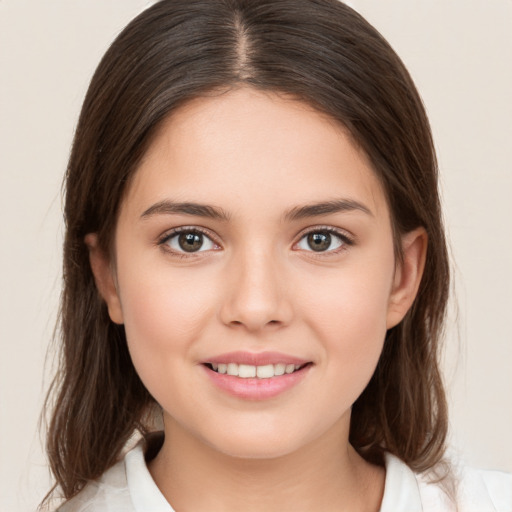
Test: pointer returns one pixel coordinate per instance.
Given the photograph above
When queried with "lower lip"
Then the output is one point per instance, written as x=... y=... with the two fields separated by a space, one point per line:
x=256 y=389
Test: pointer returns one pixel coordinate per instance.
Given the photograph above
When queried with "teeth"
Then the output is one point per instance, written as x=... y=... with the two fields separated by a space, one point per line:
x=264 y=372
x=247 y=371
x=279 y=369
x=233 y=369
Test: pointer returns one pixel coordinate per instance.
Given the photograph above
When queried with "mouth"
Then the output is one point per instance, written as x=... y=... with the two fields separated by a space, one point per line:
x=248 y=371
x=256 y=376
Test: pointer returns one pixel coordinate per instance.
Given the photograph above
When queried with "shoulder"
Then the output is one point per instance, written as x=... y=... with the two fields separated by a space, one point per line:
x=472 y=490
x=125 y=487
x=475 y=490
x=110 y=493
x=491 y=489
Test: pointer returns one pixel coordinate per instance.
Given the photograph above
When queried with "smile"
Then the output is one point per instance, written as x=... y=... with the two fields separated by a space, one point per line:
x=248 y=371
x=251 y=376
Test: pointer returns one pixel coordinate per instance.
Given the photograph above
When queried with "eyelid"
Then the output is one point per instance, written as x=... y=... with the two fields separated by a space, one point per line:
x=164 y=238
x=347 y=238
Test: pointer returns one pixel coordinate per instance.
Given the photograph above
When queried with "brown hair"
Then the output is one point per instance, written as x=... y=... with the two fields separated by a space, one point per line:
x=320 y=52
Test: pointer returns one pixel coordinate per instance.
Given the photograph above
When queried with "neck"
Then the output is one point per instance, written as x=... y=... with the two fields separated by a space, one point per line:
x=325 y=475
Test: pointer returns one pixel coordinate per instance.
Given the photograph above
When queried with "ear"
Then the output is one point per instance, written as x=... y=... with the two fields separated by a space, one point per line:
x=407 y=275
x=104 y=277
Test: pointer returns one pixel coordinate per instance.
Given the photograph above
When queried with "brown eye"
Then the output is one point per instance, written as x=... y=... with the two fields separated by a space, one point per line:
x=190 y=242
x=323 y=240
x=319 y=241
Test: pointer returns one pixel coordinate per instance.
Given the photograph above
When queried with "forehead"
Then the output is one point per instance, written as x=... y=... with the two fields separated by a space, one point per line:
x=247 y=147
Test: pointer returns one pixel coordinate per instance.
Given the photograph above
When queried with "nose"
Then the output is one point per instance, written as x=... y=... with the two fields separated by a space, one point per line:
x=257 y=293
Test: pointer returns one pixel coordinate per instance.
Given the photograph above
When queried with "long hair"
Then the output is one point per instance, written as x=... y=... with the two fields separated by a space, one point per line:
x=320 y=52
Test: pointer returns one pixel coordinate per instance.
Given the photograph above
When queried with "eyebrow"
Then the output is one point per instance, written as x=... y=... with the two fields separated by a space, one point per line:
x=168 y=207
x=326 y=208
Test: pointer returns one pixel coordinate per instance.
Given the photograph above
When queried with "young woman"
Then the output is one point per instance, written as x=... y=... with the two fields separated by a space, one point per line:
x=255 y=273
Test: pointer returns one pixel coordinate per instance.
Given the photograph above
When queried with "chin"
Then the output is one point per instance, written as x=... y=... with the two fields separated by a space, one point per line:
x=255 y=451
x=256 y=443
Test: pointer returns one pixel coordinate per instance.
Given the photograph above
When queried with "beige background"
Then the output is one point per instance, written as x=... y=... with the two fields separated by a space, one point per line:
x=460 y=54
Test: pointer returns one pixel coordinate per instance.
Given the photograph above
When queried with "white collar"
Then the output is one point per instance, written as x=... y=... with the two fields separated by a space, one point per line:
x=145 y=494
x=401 y=491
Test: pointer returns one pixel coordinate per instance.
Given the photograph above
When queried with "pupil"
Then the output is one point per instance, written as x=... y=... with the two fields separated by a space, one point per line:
x=190 y=242
x=319 y=241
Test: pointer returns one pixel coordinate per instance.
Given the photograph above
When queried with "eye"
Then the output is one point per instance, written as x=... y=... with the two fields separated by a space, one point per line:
x=188 y=240
x=323 y=240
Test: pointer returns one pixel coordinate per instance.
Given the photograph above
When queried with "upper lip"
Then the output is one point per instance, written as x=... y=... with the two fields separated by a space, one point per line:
x=256 y=359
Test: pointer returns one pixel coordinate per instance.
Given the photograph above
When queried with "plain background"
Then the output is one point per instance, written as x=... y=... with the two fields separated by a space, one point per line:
x=458 y=51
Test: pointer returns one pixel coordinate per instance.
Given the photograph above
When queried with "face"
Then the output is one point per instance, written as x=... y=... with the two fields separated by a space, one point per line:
x=255 y=273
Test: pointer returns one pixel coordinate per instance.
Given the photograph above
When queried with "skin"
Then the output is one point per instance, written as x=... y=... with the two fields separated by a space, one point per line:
x=258 y=286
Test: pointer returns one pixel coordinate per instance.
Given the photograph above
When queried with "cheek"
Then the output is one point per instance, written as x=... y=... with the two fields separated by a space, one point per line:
x=347 y=312
x=165 y=313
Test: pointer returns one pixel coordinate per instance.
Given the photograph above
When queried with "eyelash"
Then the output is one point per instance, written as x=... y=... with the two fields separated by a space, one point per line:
x=344 y=237
x=184 y=229
x=346 y=240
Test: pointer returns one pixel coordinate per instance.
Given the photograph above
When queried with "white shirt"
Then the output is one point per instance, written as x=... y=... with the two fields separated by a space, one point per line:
x=129 y=487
